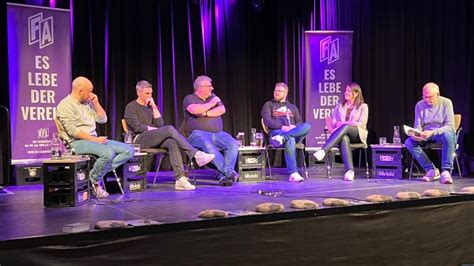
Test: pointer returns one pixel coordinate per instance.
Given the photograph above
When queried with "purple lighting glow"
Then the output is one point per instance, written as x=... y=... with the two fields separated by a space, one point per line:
x=190 y=40
x=328 y=14
x=173 y=62
x=71 y=13
x=206 y=30
x=159 y=74
x=13 y=68
x=106 y=73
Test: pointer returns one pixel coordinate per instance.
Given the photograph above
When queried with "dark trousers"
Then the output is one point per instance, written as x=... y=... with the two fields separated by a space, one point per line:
x=169 y=138
x=343 y=136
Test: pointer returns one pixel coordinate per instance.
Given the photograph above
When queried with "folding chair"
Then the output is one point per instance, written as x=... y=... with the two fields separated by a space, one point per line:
x=61 y=130
x=158 y=152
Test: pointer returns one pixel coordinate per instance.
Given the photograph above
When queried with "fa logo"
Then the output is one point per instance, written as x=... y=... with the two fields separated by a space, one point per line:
x=32 y=172
x=329 y=50
x=43 y=133
x=40 y=30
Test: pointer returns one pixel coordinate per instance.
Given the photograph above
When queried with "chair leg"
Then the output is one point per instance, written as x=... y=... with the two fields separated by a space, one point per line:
x=457 y=164
x=360 y=160
x=159 y=158
x=191 y=171
x=411 y=168
x=118 y=181
x=269 y=164
x=367 y=173
x=304 y=164
x=328 y=164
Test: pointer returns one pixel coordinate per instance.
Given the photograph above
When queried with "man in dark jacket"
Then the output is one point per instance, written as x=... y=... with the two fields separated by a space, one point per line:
x=286 y=127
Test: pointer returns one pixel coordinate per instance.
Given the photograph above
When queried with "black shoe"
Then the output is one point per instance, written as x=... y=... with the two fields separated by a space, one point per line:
x=227 y=181
x=235 y=176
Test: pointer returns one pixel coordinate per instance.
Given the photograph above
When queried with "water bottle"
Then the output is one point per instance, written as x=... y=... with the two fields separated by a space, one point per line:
x=240 y=139
x=396 y=135
x=56 y=149
x=253 y=137
x=127 y=137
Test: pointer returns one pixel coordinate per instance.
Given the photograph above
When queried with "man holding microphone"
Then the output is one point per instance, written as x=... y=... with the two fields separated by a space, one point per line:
x=147 y=126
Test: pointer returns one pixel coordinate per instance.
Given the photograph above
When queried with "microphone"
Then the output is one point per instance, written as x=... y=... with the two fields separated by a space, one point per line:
x=288 y=115
x=270 y=193
x=148 y=102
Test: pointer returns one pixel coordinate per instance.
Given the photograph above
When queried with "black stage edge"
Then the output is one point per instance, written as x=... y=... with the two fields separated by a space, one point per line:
x=435 y=231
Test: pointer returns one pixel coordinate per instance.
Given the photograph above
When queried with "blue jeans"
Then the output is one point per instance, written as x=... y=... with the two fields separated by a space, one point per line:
x=110 y=155
x=292 y=137
x=448 y=142
x=214 y=143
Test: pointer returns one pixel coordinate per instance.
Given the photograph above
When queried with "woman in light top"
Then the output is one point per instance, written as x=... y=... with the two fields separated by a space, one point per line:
x=348 y=125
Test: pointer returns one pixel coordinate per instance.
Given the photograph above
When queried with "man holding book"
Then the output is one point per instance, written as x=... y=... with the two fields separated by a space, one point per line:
x=434 y=119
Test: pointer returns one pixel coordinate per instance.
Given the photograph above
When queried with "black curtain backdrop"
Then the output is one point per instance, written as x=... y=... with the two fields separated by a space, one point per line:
x=401 y=45
x=398 y=47
x=251 y=50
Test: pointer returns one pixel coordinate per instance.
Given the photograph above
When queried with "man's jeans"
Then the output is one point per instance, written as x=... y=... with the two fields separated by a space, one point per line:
x=292 y=137
x=448 y=142
x=110 y=155
x=215 y=143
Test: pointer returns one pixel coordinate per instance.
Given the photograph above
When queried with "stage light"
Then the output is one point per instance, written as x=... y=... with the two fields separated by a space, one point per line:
x=257 y=5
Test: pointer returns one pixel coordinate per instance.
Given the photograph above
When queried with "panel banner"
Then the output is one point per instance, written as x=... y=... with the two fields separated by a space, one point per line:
x=328 y=71
x=39 y=62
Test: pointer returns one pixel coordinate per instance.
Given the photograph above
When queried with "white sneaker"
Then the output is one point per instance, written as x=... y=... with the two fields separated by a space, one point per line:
x=99 y=192
x=296 y=177
x=349 y=175
x=431 y=175
x=183 y=184
x=277 y=140
x=203 y=158
x=446 y=178
x=319 y=154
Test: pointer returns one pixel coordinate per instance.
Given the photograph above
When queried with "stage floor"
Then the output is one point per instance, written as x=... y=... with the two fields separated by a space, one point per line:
x=22 y=214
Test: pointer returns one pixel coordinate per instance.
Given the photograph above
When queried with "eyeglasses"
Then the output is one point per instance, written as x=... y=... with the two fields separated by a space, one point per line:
x=206 y=86
x=279 y=90
x=429 y=96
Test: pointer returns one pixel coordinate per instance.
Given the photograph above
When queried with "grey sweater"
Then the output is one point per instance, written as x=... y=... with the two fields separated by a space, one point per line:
x=439 y=117
x=76 y=116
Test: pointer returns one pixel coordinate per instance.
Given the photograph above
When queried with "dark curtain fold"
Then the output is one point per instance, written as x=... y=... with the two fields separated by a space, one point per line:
x=400 y=45
x=243 y=48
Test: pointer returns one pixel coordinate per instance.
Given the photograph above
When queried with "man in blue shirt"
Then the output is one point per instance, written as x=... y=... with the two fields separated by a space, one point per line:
x=203 y=123
x=434 y=117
